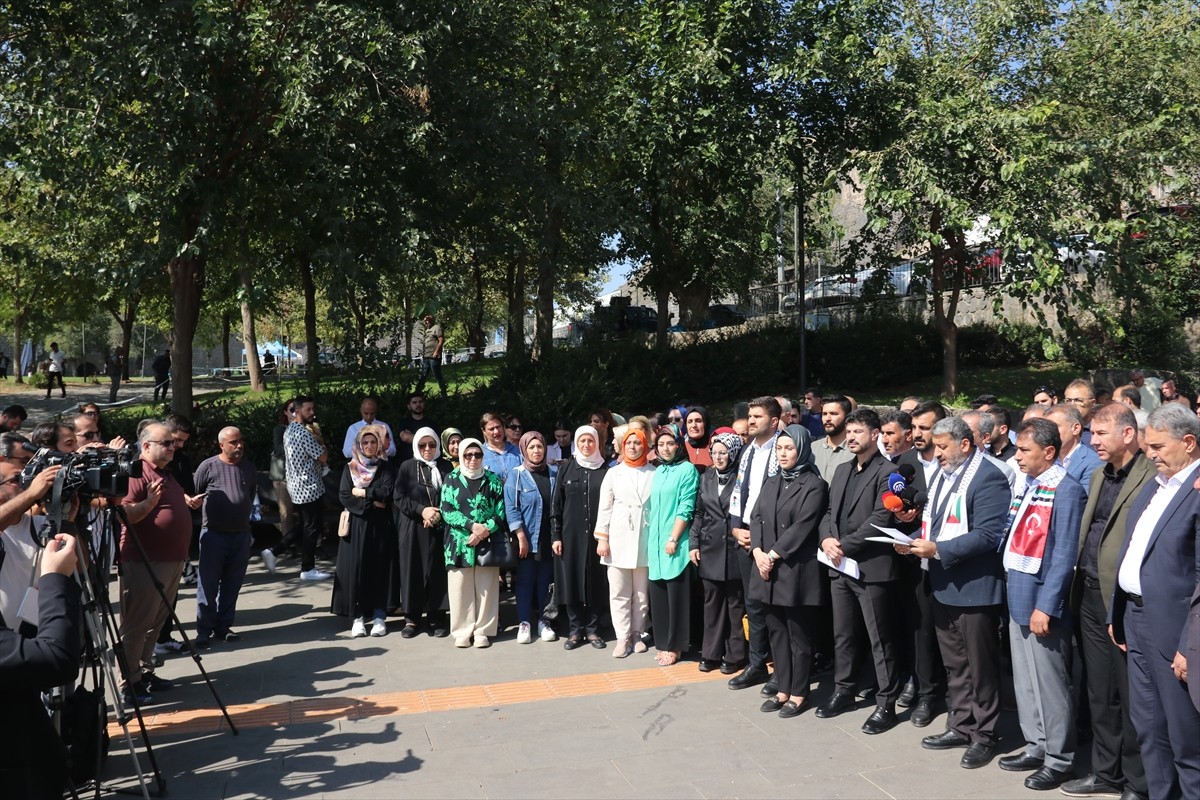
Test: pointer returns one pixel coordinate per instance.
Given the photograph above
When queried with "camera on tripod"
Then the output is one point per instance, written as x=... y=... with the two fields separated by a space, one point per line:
x=88 y=473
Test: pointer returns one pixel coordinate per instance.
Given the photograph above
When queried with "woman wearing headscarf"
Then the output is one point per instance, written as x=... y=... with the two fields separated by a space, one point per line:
x=715 y=553
x=669 y=515
x=579 y=580
x=366 y=581
x=473 y=510
x=620 y=542
x=528 y=494
x=499 y=454
x=419 y=533
x=450 y=439
x=698 y=434
x=787 y=576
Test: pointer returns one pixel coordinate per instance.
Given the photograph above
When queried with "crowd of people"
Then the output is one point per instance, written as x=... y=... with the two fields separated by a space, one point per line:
x=914 y=551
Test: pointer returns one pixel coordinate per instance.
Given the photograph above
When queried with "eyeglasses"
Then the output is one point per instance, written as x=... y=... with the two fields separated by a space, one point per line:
x=513 y=426
x=13 y=479
x=427 y=445
x=88 y=436
x=471 y=456
x=90 y=413
x=674 y=419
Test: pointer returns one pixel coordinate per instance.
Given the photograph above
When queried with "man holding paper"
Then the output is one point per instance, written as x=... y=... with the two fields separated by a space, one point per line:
x=855 y=509
x=962 y=528
x=1039 y=558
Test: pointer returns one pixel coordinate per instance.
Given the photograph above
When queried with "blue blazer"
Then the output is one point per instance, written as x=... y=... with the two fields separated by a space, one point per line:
x=968 y=572
x=1084 y=462
x=1170 y=571
x=523 y=503
x=1050 y=590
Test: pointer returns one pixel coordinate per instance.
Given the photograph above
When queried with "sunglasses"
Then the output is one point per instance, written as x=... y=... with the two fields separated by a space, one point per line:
x=513 y=427
x=674 y=419
x=472 y=456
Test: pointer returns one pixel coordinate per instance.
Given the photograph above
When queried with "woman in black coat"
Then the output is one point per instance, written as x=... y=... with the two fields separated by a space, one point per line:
x=366 y=581
x=580 y=580
x=715 y=553
x=783 y=543
x=419 y=533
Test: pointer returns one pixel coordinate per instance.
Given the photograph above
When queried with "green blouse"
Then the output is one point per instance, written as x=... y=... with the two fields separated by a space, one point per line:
x=672 y=496
x=461 y=507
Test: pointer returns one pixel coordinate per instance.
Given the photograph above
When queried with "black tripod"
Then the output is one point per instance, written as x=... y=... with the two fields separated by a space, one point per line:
x=105 y=649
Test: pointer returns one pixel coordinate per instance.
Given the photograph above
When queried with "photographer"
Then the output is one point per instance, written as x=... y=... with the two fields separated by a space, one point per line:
x=32 y=757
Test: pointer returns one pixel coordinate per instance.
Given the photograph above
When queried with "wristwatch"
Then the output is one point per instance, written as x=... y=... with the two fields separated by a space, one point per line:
x=773 y=556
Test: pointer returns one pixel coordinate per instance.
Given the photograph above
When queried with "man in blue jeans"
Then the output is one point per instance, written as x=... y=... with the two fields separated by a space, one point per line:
x=227 y=482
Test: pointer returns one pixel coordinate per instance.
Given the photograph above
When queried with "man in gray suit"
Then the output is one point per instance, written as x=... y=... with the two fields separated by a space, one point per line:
x=962 y=528
x=1158 y=574
x=1116 y=764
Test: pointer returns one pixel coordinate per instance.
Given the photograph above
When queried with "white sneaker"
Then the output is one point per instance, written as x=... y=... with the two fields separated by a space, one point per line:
x=315 y=574
x=379 y=628
x=462 y=642
x=546 y=633
x=359 y=629
x=482 y=641
x=524 y=634
x=270 y=560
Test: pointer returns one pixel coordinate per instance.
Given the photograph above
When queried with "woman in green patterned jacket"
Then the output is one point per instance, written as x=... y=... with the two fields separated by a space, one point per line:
x=472 y=509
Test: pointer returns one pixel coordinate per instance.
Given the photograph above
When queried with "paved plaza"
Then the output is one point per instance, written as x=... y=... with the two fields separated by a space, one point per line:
x=322 y=715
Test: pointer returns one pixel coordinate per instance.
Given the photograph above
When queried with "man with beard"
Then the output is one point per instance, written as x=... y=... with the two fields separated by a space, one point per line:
x=831 y=450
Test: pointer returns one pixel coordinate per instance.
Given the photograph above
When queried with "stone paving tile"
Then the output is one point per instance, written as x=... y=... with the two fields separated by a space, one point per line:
x=576 y=779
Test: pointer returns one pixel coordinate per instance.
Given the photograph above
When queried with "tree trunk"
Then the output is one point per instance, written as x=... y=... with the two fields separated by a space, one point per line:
x=662 y=341
x=127 y=324
x=226 y=328
x=18 y=368
x=475 y=320
x=187 y=292
x=310 y=322
x=693 y=304
x=549 y=251
x=515 y=340
x=258 y=382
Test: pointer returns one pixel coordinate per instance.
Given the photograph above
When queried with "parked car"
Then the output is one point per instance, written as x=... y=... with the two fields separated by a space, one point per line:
x=722 y=315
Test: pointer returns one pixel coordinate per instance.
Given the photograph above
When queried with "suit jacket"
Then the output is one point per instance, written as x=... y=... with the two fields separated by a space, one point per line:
x=1193 y=649
x=1084 y=462
x=711 y=531
x=877 y=561
x=1049 y=589
x=1112 y=538
x=786 y=518
x=913 y=459
x=1170 y=569
x=968 y=571
x=32 y=757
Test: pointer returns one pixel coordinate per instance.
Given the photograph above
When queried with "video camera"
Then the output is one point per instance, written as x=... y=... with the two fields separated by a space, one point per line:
x=88 y=473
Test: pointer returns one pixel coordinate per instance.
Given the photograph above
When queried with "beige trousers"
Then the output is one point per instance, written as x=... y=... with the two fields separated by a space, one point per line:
x=143 y=613
x=474 y=601
x=628 y=600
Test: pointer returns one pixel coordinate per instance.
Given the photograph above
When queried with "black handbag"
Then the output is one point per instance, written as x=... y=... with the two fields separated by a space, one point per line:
x=498 y=550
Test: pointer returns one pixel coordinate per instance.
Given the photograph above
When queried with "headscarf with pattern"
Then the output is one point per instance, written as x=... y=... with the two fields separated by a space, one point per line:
x=734 y=444
x=362 y=469
x=673 y=431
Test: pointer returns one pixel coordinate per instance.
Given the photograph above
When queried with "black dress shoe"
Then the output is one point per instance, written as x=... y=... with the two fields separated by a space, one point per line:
x=1021 y=763
x=751 y=676
x=137 y=694
x=153 y=683
x=408 y=631
x=770 y=687
x=1091 y=786
x=729 y=667
x=922 y=713
x=1047 y=778
x=1130 y=794
x=836 y=704
x=946 y=740
x=771 y=705
x=572 y=642
x=792 y=708
x=906 y=697
x=708 y=664
x=441 y=633
x=596 y=642
x=883 y=719
x=978 y=755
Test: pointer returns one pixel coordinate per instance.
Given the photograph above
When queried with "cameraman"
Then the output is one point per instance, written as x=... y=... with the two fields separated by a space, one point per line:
x=32 y=757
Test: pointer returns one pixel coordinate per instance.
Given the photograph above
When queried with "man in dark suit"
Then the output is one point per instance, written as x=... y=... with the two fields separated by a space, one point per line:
x=962 y=528
x=855 y=507
x=1116 y=763
x=32 y=757
x=1193 y=650
x=927 y=685
x=1039 y=560
x=1158 y=573
x=1079 y=460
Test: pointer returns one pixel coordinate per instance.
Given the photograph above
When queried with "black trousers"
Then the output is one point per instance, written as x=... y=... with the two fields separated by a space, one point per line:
x=1115 y=756
x=670 y=611
x=875 y=602
x=970 y=644
x=52 y=377
x=760 y=646
x=923 y=659
x=724 y=607
x=790 y=628
x=312 y=526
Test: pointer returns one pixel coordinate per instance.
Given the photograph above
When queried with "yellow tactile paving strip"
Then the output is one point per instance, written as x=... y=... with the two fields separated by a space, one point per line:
x=326 y=709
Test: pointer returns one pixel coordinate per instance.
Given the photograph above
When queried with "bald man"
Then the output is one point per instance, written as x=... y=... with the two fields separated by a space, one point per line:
x=227 y=482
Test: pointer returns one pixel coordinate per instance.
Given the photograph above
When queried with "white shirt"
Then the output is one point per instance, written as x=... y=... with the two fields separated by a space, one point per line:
x=353 y=430
x=931 y=469
x=20 y=562
x=758 y=474
x=1009 y=473
x=57 y=357
x=1129 y=574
